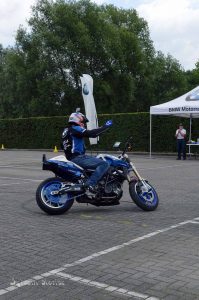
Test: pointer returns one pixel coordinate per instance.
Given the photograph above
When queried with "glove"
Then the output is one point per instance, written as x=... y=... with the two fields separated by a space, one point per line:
x=109 y=123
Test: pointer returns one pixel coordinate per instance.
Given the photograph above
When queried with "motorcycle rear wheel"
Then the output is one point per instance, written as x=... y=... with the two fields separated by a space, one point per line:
x=53 y=204
x=146 y=200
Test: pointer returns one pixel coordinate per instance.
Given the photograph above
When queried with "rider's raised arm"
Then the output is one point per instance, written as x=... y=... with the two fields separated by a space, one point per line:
x=83 y=132
x=95 y=132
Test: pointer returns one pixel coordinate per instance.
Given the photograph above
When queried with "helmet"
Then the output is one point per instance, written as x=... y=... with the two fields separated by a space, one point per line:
x=78 y=118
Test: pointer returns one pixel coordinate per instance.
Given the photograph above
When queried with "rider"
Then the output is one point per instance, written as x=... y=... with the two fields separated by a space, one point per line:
x=74 y=147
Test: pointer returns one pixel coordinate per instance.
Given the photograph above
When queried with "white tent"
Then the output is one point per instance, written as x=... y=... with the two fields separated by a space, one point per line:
x=186 y=106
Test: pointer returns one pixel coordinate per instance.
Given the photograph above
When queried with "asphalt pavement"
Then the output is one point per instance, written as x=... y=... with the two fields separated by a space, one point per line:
x=99 y=253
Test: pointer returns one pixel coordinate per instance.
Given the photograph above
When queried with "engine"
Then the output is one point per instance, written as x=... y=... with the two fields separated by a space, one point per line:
x=111 y=190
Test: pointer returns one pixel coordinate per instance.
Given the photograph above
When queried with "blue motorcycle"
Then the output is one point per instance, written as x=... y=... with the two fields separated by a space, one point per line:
x=56 y=195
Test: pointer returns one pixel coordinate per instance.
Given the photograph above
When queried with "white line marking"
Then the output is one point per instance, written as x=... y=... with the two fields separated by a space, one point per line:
x=20 y=167
x=9 y=184
x=194 y=222
x=23 y=179
x=104 y=286
x=97 y=254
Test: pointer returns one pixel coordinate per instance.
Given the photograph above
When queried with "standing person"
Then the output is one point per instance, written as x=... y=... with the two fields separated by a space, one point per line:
x=74 y=147
x=181 y=141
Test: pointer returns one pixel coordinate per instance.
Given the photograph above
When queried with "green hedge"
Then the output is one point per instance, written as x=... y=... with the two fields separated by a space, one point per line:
x=44 y=133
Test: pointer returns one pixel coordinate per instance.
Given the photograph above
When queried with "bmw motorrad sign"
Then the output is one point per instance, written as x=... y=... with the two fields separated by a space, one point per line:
x=184 y=109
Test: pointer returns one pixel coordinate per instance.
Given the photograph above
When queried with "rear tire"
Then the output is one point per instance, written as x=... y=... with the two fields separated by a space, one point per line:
x=147 y=201
x=53 y=204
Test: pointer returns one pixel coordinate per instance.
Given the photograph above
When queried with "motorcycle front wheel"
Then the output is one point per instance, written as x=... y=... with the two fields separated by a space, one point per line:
x=144 y=196
x=48 y=199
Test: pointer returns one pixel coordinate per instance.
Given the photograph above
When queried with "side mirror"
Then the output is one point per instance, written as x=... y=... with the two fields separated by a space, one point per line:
x=116 y=145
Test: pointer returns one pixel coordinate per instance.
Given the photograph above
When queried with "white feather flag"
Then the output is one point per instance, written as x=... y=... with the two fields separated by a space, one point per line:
x=89 y=104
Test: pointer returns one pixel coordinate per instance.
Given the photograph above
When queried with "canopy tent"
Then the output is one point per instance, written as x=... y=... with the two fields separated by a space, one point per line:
x=186 y=106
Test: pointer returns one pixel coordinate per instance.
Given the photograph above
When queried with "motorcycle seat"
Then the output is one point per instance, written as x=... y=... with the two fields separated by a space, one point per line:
x=62 y=158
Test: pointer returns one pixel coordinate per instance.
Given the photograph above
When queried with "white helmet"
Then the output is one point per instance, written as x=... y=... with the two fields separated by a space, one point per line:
x=78 y=118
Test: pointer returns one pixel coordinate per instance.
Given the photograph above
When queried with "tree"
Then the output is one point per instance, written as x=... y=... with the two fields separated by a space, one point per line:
x=193 y=77
x=66 y=39
x=169 y=78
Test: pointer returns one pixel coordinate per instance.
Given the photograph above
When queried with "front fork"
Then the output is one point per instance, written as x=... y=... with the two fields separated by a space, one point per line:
x=135 y=171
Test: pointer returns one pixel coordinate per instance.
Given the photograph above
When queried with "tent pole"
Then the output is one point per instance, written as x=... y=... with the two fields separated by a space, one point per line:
x=190 y=125
x=150 y=133
x=190 y=129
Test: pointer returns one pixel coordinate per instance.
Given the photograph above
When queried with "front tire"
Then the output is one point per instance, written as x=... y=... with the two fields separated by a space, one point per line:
x=146 y=200
x=53 y=204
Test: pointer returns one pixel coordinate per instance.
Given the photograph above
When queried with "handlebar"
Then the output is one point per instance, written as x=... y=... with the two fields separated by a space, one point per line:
x=127 y=144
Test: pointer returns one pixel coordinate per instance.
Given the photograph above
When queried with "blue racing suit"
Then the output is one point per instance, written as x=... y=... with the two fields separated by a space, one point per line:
x=76 y=151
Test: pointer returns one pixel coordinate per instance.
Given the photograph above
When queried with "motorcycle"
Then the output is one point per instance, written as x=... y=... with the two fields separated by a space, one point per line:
x=56 y=195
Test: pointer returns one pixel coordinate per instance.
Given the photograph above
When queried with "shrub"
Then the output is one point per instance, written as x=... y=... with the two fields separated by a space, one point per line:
x=45 y=132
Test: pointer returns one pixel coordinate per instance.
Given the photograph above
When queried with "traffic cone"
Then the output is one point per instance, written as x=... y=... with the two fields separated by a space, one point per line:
x=55 y=149
x=2 y=147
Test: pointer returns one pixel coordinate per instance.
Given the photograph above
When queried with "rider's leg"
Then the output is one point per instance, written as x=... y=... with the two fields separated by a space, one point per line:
x=90 y=162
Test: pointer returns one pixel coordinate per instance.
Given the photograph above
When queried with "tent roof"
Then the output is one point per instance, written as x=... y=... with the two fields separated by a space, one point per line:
x=184 y=106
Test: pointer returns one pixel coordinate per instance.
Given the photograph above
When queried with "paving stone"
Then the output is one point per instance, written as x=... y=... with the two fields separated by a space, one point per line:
x=164 y=265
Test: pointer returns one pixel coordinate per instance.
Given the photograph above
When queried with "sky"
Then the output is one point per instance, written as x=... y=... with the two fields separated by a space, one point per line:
x=173 y=24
